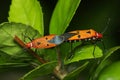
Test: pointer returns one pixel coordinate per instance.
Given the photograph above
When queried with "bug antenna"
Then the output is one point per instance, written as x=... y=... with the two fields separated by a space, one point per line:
x=103 y=45
x=106 y=26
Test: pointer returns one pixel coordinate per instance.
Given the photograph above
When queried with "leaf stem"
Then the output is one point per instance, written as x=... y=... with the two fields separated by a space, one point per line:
x=20 y=42
x=57 y=71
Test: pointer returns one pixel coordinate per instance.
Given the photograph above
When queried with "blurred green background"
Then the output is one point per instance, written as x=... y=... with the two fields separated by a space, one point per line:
x=90 y=14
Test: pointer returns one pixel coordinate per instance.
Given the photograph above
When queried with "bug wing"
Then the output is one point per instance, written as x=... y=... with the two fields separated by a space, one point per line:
x=67 y=36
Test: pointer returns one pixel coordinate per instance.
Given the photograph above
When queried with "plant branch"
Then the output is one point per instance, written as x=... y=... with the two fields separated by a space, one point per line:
x=20 y=42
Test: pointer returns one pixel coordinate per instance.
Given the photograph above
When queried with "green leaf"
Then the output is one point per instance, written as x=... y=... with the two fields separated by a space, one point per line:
x=62 y=15
x=27 y=12
x=72 y=75
x=6 y=61
x=85 y=52
x=8 y=65
x=110 y=51
x=41 y=70
x=104 y=62
x=112 y=72
x=7 y=43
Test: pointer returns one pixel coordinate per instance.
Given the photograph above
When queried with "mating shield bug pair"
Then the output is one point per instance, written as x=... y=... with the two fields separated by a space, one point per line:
x=53 y=40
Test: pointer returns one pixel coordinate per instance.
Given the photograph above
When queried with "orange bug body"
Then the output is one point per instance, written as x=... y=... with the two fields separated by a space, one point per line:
x=53 y=40
x=89 y=34
x=48 y=41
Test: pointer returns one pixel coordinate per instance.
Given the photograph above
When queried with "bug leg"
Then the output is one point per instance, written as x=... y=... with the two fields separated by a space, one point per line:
x=71 y=50
x=33 y=37
x=20 y=42
x=95 y=44
x=94 y=50
x=36 y=50
x=58 y=56
x=27 y=33
x=71 y=47
x=70 y=53
x=104 y=48
x=26 y=37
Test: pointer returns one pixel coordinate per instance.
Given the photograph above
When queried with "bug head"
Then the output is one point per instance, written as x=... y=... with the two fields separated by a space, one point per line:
x=95 y=35
x=99 y=35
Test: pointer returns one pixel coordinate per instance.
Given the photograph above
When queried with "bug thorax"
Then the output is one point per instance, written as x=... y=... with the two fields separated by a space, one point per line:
x=94 y=36
x=99 y=35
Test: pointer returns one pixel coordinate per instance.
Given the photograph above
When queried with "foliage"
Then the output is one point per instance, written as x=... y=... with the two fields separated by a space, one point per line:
x=32 y=15
x=26 y=22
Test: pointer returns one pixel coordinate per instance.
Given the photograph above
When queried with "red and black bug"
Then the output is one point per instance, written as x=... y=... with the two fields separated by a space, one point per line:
x=48 y=41
x=84 y=35
x=89 y=34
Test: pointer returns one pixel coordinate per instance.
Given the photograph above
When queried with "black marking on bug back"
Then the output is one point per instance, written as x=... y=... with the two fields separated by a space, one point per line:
x=47 y=44
x=88 y=32
x=46 y=38
x=67 y=35
x=38 y=43
x=79 y=36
